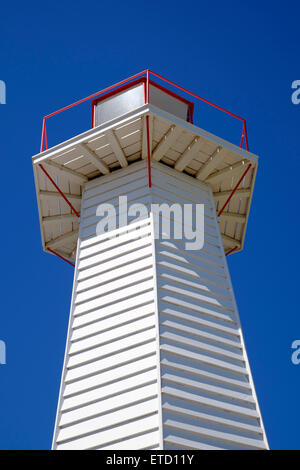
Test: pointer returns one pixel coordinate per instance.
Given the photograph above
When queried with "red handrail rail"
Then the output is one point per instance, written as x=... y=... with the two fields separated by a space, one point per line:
x=147 y=73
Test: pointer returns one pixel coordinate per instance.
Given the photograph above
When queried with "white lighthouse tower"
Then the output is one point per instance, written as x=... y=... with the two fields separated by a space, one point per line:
x=155 y=356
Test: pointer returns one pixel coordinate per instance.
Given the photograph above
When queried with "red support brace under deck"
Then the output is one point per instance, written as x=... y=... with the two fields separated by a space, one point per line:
x=234 y=189
x=61 y=257
x=60 y=192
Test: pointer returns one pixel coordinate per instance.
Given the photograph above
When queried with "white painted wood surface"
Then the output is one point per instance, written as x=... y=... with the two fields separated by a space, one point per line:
x=155 y=356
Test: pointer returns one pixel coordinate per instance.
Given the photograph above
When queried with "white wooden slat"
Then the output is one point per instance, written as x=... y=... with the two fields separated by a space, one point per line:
x=121 y=260
x=132 y=245
x=192 y=270
x=198 y=372
x=114 y=418
x=94 y=159
x=109 y=376
x=144 y=137
x=230 y=170
x=73 y=175
x=165 y=194
x=112 y=322
x=209 y=402
x=146 y=441
x=59 y=218
x=182 y=443
x=169 y=209
x=166 y=142
x=176 y=213
x=111 y=335
x=140 y=224
x=130 y=355
x=185 y=182
x=114 y=241
x=201 y=262
x=101 y=400
x=202 y=358
x=95 y=197
x=194 y=256
x=90 y=227
x=102 y=438
x=112 y=348
x=90 y=230
x=177 y=184
x=240 y=193
x=109 y=310
x=211 y=249
x=197 y=332
x=208 y=253
x=167 y=273
x=115 y=274
x=176 y=288
x=233 y=216
x=198 y=321
x=209 y=418
x=116 y=148
x=112 y=297
x=55 y=194
x=188 y=155
x=112 y=285
x=66 y=237
x=175 y=189
x=195 y=307
x=216 y=158
x=187 y=341
x=230 y=241
x=137 y=195
x=222 y=436
x=173 y=379
x=117 y=179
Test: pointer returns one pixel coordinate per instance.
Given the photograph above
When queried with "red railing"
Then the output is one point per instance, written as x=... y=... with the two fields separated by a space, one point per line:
x=145 y=73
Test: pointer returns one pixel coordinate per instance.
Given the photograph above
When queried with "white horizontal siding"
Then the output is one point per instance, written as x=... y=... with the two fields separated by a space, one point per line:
x=110 y=391
x=208 y=401
x=155 y=346
x=105 y=437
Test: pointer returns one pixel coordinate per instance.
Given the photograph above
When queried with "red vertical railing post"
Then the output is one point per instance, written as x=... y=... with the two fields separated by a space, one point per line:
x=147 y=87
x=148 y=131
x=246 y=136
x=148 y=151
x=43 y=135
x=44 y=143
x=243 y=134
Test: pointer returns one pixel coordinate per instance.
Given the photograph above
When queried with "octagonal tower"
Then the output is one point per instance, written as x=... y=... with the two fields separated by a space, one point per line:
x=155 y=356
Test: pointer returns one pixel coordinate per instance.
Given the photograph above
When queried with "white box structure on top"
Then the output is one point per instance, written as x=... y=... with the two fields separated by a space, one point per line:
x=155 y=356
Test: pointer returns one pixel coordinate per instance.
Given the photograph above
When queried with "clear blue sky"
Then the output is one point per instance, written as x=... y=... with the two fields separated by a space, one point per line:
x=242 y=55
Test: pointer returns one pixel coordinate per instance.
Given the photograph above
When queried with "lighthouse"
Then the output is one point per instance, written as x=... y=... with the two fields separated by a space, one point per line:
x=146 y=205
